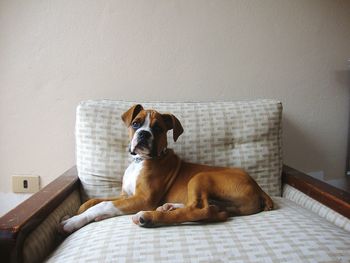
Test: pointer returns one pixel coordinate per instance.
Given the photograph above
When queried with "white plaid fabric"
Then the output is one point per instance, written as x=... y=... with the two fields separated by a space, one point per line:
x=244 y=134
x=289 y=233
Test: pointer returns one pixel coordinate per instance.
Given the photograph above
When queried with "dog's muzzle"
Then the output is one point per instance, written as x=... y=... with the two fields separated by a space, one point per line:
x=142 y=143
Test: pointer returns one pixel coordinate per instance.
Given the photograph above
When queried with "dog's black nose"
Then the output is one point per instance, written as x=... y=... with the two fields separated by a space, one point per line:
x=144 y=135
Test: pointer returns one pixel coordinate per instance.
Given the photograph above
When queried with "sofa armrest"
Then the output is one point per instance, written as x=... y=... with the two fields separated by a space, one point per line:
x=16 y=224
x=330 y=196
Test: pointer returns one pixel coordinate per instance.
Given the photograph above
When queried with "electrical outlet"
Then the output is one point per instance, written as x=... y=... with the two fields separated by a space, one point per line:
x=25 y=183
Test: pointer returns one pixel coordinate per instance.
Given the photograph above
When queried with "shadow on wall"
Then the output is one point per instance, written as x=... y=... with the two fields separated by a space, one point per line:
x=303 y=151
x=342 y=77
x=299 y=146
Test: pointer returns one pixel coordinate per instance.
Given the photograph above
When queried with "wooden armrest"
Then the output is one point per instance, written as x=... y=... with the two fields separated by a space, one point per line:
x=330 y=196
x=16 y=224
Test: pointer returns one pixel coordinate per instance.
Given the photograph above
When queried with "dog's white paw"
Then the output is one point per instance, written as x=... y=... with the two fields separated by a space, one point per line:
x=141 y=219
x=69 y=225
x=138 y=218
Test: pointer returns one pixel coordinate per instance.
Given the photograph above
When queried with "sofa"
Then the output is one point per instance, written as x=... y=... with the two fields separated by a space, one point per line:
x=309 y=222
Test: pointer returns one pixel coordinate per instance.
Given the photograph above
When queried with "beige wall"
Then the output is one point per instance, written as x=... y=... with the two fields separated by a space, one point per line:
x=55 y=53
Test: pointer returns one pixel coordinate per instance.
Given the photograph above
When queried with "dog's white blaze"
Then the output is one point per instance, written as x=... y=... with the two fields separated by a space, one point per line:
x=146 y=126
x=130 y=177
x=97 y=212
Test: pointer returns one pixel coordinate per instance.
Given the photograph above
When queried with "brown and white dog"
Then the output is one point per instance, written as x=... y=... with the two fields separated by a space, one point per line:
x=172 y=191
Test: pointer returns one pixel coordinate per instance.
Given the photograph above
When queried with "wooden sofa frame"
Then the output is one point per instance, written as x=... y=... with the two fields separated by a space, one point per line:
x=19 y=222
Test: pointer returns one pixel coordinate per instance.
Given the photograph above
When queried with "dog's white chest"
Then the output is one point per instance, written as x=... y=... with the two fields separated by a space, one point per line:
x=130 y=177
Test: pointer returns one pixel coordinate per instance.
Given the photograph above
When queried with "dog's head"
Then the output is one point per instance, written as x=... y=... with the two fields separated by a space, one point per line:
x=148 y=129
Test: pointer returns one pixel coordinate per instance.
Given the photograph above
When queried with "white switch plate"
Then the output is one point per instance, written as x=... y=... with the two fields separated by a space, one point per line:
x=25 y=183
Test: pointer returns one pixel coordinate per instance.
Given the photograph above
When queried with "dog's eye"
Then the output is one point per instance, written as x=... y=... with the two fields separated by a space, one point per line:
x=135 y=125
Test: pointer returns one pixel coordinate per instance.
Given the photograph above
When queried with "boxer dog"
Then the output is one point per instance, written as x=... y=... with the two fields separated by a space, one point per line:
x=161 y=189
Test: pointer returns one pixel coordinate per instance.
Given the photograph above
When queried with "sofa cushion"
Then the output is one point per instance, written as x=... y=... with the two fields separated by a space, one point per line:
x=289 y=233
x=244 y=134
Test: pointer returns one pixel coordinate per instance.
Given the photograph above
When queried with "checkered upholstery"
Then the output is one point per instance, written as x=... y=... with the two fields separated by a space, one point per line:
x=289 y=233
x=244 y=134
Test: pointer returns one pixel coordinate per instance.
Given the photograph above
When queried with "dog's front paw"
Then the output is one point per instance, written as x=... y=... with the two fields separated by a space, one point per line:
x=70 y=224
x=61 y=225
x=142 y=219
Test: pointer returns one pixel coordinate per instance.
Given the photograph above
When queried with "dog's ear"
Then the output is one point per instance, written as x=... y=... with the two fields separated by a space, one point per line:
x=131 y=113
x=172 y=122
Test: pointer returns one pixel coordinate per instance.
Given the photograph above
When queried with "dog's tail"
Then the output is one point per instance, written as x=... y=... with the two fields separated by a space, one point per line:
x=266 y=202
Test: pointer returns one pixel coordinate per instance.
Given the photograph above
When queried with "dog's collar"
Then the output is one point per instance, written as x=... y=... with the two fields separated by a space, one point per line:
x=138 y=158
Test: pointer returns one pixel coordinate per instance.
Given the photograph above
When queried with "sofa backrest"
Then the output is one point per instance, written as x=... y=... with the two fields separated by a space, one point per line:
x=243 y=134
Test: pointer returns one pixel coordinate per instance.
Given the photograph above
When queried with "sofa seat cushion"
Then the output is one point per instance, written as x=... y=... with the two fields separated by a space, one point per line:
x=289 y=233
x=243 y=134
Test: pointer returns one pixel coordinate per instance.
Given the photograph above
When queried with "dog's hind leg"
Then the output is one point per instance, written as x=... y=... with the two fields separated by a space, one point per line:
x=197 y=209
